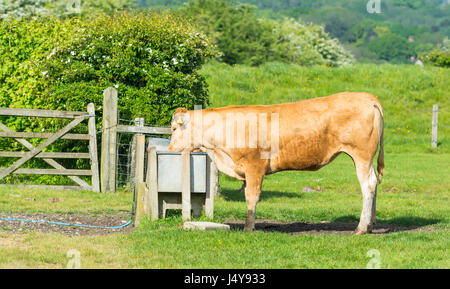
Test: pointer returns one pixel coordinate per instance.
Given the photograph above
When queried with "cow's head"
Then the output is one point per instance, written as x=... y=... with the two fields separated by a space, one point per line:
x=181 y=131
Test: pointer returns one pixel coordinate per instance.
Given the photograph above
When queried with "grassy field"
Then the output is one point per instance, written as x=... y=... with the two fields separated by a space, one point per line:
x=413 y=197
x=414 y=194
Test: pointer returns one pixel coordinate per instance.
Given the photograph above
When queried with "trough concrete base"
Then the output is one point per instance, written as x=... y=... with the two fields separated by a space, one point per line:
x=205 y=226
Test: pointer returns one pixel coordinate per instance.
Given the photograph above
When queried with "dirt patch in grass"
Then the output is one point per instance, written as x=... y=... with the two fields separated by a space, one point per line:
x=104 y=220
x=321 y=228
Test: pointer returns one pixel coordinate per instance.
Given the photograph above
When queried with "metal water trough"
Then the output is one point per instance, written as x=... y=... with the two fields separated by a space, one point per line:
x=175 y=180
x=169 y=172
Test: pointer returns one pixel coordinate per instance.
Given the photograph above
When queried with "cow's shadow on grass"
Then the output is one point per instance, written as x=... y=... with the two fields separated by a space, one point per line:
x=409 y=221
x=238 y=196
x=344 y=225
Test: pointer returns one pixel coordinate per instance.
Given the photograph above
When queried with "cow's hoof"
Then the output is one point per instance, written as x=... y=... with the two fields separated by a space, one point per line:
x=359 y=232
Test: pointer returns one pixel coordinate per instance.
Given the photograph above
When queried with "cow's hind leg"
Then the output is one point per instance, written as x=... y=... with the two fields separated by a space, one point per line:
x=368 y=181
x=253 y=183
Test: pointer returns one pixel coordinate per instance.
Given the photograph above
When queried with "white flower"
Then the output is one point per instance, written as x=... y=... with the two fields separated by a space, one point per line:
x=72 y=53
x=51 y=53
x=174 y=60
x=116 y=85
x=44 y=73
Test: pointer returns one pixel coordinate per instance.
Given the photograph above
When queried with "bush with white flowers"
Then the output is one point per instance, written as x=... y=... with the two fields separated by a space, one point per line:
x=152 y=60
x=309 y=44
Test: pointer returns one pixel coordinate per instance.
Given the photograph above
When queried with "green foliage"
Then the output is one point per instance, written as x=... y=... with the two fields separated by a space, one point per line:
x=391 y=47
x=310 y=45
x=61 y=8
x=439 y=56
x=239 y=34
x=244 y=38
x=151 y=59
x=22 y=8
x=24 y=45
x=348 y=20
x=159 y=3
x=88 y=8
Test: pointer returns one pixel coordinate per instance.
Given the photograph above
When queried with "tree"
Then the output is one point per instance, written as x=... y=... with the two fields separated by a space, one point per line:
x=22 y=8
x=239 y=34
x=61 y=8
x=439 y=56
x=391 y=47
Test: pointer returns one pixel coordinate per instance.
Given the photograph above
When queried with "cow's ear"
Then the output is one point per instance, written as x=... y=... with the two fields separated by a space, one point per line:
x=184 y=119
x=181 y=117
x=180 y=110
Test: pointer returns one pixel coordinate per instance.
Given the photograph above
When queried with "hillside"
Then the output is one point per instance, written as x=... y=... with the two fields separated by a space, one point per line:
x=403 y=28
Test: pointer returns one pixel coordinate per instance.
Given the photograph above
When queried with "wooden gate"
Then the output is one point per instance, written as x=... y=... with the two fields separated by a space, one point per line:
x=37 y=152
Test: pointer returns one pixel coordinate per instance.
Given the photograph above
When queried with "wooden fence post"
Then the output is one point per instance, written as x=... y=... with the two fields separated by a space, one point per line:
x=138 y=122
x=109 y=138
x=186 y=185
x=211 y=187
x=93 y=147
x=152 y=183
x=140 y=185
x=434 y=126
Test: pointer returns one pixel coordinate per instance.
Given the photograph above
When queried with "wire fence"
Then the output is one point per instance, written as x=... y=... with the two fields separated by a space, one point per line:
x=424 y=125
x=126 y=154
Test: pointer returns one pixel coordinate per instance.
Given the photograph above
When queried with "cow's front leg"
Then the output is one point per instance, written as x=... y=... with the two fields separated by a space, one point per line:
x=253 y=184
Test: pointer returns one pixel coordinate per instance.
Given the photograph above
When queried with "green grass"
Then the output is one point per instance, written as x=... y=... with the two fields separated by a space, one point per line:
x=15 y=200
x=414 y=192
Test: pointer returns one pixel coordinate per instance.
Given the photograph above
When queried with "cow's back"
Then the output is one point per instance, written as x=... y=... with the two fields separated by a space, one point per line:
x=314 y=131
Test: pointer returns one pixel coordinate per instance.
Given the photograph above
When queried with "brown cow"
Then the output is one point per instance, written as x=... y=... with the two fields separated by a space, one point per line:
x=248 y=142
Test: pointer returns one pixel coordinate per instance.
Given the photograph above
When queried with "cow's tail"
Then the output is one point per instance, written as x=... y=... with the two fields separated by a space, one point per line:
x=380 y=160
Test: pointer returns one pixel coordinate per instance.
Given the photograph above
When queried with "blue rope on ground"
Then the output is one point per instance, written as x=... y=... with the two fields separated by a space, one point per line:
x=80 y=225
x=67 y=224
